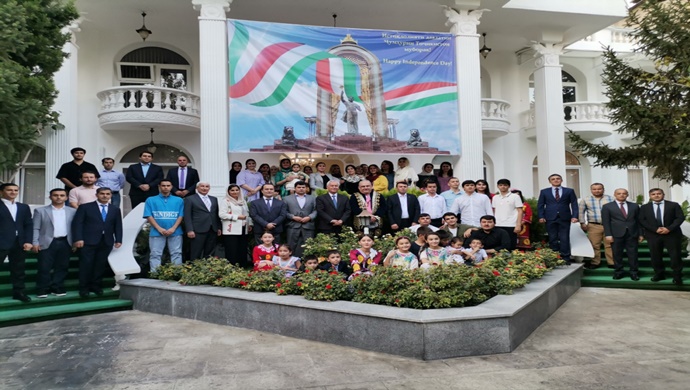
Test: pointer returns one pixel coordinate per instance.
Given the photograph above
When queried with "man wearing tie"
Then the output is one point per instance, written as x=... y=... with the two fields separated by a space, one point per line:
x=332 y=209
x=183 y=178
x=144 y=178
x=621 y=229
x=53 y=243
x=96 y=229
x=661 y=220
x=201 y=221
x=16 y=235
x=403 y=208
x=301 y=213
x=557 y=207
x=268 y=214
x=373 y=203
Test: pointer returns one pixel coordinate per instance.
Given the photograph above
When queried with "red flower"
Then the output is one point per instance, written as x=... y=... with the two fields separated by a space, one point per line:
x=397 y=301
x=511 y=263
x=281 y=291
x=306 y=271
x=507 y=269
x=278 y=284
x=299 y=284
x=333 y=273
x=496 y=273
x=328 y=287
x=243 y=283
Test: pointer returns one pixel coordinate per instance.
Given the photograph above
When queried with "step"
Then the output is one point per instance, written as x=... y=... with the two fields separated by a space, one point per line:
x=70 y=285
x=31 y=275
x=7 y=303
x=643 y=284
x=34 y=314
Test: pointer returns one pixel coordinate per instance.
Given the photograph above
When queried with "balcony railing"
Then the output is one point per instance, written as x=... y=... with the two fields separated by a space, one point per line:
x=147 y=105
x=588 y=119
x=495 y=122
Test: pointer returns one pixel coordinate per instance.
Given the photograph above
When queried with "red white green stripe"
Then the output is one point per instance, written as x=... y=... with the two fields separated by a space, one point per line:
x=420 y=95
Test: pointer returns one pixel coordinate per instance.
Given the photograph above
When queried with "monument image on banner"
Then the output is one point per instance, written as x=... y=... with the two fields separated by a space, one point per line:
x=297 y=88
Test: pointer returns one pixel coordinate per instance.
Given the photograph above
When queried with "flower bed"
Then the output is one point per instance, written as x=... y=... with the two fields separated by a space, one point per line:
x=440 y=287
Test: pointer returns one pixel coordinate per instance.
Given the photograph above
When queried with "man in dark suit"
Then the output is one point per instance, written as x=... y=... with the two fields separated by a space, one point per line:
x=96 y=229
x=144 y=179
x=201 y=221
x=332 y=209
x=301 y=213
x=373 y=203
x=621 y=228
x=403 y=208
x=661 y=220
x=16 y=236
x=268 y=214
x=557 y=207
x=183 y=178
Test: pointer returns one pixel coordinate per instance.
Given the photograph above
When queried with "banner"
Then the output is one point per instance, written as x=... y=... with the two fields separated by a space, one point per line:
x=308 y=89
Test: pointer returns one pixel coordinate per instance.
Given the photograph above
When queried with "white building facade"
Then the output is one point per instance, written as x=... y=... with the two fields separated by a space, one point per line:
x=541 y=78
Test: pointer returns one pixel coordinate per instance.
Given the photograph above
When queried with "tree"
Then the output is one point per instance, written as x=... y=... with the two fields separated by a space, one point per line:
x=652 y=106
x=31 y=42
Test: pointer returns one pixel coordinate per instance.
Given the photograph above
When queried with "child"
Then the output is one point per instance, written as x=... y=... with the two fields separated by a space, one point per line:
x=475 y=254
x=419 y=243
x=285 y=261
x=295 y=176
x=455 y=250
x=433 y=254
x=364 y=258
x=262 y=255
x=310 y=262
x=334 y=263
x=445 y=237
x=401 y=257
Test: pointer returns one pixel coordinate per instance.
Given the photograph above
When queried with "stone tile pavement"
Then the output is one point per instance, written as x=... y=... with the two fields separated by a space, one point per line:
x=599 y=339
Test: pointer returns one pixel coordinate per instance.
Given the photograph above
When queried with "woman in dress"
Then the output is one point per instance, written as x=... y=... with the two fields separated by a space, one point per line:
x=237 y=225
x=388 y=170
x=483 y=188
x=282 y=176
x=427 y=176
x=250 y=181
x=444 y=175
x=235 y=170
x=524 y=241
x=405 y=172
x=351 y=180
x=378 y=181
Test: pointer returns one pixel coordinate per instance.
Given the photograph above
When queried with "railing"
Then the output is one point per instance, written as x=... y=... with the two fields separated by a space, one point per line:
x=141 y=97
x=495 y=109
x=585 y=112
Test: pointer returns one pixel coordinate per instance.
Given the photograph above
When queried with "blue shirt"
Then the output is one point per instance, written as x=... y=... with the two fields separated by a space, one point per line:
x=450 y=197
x=165 y=210
x=145 y=168
x=111 y=179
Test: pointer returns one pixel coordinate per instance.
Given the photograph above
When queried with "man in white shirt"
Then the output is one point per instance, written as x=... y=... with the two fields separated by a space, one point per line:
x=16 y=235
x=86 y=192
x=508 y=211
x=403 y=208
x=471 y=205
x=433 y=204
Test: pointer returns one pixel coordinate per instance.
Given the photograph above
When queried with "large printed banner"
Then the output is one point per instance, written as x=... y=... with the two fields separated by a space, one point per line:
x=308 y=89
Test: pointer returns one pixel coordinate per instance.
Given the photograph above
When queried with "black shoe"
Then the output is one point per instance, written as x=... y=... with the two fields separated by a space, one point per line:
x=677 y=281
x=634 y=277
x=610 y=266
x=617 y=276
x=98 y=292
x=657 y=278
x=592 y=266
x=83 y=294
x=21 y=297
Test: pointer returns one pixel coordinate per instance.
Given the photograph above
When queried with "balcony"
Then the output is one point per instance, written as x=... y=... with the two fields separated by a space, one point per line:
x=586 y=119
x=134 y=107
x=495 y=121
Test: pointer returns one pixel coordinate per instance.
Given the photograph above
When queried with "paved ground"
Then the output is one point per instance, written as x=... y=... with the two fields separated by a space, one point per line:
x=600 y=339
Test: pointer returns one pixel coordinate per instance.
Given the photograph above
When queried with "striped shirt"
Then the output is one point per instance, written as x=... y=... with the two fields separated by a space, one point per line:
x=591 y=207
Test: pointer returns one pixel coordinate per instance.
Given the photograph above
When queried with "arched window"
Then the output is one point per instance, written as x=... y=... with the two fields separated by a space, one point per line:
x=154 y=66
x=569 y=87
x=572 y=173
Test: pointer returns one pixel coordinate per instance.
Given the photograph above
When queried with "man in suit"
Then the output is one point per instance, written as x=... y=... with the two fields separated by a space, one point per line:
x=373 y=203
x=621 y=229
x=661 y=220
x=403 y=208
x=144 y=179
x=268 y=213
x=332 y=209
x=16 y=235
x=557 y=207
x=183 y=178
x=301 y=213
x=201 y=221
x=96 y=229
x=53 y=243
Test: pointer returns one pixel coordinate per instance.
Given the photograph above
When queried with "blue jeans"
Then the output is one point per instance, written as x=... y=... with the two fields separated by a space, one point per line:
x=157 y=244
x=115 y=200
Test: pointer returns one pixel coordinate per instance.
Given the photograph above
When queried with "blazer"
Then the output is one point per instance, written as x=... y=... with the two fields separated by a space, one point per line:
x=191 y=180
x=44 y=228
x=293 y=210
x=395 y=209
x=326 y=211
x=565 y=209
x=615 y=225
x=197 y=218
x=316 y=181
x=673 y=217
x=228 y=213
x=262 y=215
x=88 y=225
x=11 y=230
x=135 y=177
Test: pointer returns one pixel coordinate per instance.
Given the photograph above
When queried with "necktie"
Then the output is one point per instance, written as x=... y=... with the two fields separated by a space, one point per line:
x=207 y=202
x=558 y=195
x=659 y=219
x=104 y=211
x=268 y=203
x=625 y=214
x=335 y=201
x=182 y=181
x=368 y=200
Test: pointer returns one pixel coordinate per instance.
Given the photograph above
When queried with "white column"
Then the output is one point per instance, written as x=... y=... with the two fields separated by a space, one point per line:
x=463 y=25
x=59 y=142
x=213 y=62
x=548 y=112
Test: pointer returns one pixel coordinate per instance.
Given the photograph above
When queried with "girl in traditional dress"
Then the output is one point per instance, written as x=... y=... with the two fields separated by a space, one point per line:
x=523 y=237
x=433 y=254
x=405 y=172
x=364 y=258
x=285 y=261
x=351 y=180
x=401 y=257
x=262 y=255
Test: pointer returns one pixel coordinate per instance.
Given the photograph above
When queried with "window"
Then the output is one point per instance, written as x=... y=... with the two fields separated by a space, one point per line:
x=569 y=87
x=572 y=176
x=31 y=177
x=154 y=66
